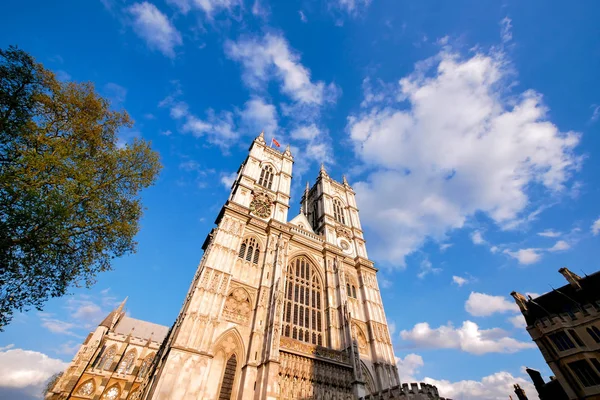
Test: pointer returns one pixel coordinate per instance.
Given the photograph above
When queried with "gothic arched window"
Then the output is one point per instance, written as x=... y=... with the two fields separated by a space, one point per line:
x=338 y=211
x=249 y=250
x=127 y=363
x=107 y=358
x=87 y=389
x=228 y=378
x=112 y=393
x=266 y=177
x=145 y=367
x=303 y=303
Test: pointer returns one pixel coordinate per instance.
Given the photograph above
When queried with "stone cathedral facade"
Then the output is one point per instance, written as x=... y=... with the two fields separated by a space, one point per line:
x=278 y=308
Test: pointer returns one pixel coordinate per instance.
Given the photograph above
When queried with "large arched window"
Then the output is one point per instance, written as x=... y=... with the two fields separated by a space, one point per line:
x=249 y=250
x=87 y=389
x=266 y=177
x=228 y=379
x=303 y=316
x=107 y=358
x=338 y=211
x=112 y=393
x=127 y=363
x=145 y=367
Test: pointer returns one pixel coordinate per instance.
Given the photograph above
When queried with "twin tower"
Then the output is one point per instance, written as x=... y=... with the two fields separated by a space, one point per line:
x=277 y=309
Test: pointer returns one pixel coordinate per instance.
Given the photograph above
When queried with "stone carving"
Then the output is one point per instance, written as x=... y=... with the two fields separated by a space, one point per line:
x=214 y=281
x=237 y=307
x=314 y=350
x=305 y=378
x=343 y=232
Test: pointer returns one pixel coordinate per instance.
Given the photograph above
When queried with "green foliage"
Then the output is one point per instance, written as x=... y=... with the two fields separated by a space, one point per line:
x=69 y=193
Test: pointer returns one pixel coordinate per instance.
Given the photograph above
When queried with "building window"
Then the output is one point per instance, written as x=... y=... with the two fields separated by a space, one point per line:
x=113 y=393
x=107 y=358
x=562 y=341
x=594 y=333
x=338 y=211
x=596 y=363
x=266 y=177
x=303 y=302
x=228 y=378
x=351 y=290
x=145 y=367
x=576 y=337
x=87 y=389
x=587 y=376
x=127 y=363
x=249 y=250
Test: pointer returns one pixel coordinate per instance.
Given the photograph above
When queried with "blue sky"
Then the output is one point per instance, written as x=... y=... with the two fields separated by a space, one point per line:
x=470 y=131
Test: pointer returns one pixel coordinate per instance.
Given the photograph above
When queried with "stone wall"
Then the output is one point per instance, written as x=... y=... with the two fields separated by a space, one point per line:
x=414 y=391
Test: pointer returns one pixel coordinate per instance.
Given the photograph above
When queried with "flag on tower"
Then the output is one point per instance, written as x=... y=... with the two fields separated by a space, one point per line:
x=275 y=142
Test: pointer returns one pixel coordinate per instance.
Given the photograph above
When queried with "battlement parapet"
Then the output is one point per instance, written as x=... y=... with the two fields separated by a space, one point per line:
x=414 y=391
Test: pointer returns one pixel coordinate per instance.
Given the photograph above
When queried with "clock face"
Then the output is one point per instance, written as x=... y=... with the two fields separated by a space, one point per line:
x=345 y=245
x=261 y=207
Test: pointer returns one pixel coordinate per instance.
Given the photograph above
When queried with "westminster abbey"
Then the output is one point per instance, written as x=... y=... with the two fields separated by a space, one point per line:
x=278 y=308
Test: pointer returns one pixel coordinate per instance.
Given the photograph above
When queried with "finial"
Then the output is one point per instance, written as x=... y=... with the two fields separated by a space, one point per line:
x=571 y=277
x=344 y=180
x=261 y=138
x=521 y=301
x=288 y=151
x=323 y=171
x=304 y=207
x=262 y=134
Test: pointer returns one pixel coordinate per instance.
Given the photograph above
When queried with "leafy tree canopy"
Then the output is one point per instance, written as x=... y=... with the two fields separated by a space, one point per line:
x=69 y=190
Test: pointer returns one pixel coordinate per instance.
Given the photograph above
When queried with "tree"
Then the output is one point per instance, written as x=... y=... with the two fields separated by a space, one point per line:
x=69 y=190
x=53 y=380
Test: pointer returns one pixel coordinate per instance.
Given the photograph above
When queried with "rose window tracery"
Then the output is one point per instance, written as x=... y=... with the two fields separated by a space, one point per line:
x=87 y=389
x=237 y=306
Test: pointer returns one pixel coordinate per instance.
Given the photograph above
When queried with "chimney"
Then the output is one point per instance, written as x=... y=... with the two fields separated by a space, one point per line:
x=571 y=277
x=521 y=301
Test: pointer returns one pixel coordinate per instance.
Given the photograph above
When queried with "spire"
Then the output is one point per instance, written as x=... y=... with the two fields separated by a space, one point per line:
x=288 y=151
x=260 y=138
x=114 y=315
x=304 y=206
x=322 y=171
x=344 y=180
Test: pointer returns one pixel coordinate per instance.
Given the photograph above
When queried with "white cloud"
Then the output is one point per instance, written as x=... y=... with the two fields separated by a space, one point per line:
x=155 y=28
x=270 y=56
x=259 y=115
x=445 y=246
x=427 y=268
x=350 y=6
x=549 y=233
x=115 y=93
x=306 y=132
x=455 y=146
x=468 y=338
x=477 y=238
x=409 y=367
x=26 y=371
x=459 y=280
x=561 y=245
x=228 y=179
x=210 y=7
x=483 y=305
x=497 y=386
x=58 y=326
x=518 y=321
x=595 y=113
x=596 y=227
x=506 y=30
x=525 y=256
x=261 y=9
x=302 y=16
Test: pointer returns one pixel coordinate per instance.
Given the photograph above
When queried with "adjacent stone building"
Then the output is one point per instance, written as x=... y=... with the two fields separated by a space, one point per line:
x=278 y=308
x=565 y=324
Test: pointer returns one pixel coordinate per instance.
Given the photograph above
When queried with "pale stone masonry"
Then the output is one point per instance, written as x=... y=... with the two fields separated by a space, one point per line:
x=565 y=325
x=277 y=309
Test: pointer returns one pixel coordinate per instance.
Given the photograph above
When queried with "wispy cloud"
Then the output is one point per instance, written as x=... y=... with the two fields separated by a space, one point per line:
x=150 y=24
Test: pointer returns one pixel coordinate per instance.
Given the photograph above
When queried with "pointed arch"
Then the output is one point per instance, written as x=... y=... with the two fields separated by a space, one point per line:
x=304 y=302
x=267 y=173
x=135 y=394
x=238 y=305
x=112 y=393
x=128 y=362
x=230 y=342
x=86 y=389
x=250 y=249
x=146 y=364
x=228 y=346
x=107 y=357
x=338 y=211
x=369 y=381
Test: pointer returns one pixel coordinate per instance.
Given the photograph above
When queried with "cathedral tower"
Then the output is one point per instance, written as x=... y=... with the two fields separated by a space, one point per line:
x=279 y=309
